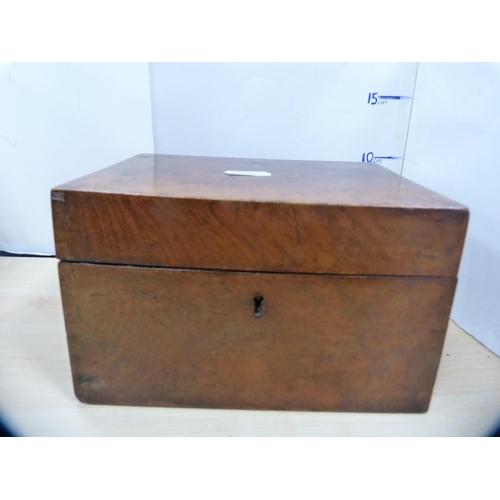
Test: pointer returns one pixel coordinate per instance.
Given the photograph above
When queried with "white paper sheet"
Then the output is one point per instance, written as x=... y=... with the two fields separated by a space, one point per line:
x=453 y=149
x=59 y=122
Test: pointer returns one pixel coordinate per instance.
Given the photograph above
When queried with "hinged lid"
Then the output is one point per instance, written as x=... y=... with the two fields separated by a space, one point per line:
x=306 y=217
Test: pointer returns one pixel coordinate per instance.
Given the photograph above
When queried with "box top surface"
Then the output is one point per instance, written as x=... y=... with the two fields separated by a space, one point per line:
x=291 y=181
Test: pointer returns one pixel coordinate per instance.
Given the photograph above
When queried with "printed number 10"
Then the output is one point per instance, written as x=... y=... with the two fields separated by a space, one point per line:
x=372 y=98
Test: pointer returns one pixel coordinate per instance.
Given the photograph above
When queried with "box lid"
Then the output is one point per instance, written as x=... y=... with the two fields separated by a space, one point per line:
x=307 y=217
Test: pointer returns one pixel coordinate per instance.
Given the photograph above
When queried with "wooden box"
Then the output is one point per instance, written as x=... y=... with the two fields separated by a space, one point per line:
x=323 y=286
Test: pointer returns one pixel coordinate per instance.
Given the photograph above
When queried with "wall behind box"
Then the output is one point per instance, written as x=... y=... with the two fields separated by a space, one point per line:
x=296 y=111
x=453 y=148
x=59 y=122
x=62 y=121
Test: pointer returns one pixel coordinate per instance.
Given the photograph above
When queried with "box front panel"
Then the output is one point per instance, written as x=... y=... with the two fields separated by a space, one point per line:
x=214 y=339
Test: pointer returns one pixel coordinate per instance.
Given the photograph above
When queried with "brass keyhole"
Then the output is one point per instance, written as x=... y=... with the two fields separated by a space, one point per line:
x=258 y=300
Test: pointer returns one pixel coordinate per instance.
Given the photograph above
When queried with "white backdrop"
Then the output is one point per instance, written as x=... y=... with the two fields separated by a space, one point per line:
x=453 y=148
x=302 y=111
x=59 y=122
x=62 y=121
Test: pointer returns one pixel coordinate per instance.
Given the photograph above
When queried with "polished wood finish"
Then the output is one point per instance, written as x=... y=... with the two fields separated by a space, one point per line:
x=324 y=286
x=307 y=217
x=187 y=338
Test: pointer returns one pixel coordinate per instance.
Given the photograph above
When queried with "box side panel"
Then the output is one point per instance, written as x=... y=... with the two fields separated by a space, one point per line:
x=250 y=236
x=161 y=337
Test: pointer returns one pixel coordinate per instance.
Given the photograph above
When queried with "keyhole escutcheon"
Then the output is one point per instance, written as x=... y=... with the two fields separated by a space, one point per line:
x=258 y=300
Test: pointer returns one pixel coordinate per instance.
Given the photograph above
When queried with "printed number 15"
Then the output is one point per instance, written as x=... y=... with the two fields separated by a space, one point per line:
x=372 y=98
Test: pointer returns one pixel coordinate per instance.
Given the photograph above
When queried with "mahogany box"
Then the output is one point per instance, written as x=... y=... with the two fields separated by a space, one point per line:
x=322 y=286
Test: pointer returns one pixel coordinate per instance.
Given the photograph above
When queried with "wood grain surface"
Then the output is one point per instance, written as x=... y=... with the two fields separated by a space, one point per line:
x=324 y=286
x=292 y=181
x=161 y=337
x=308 y=217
